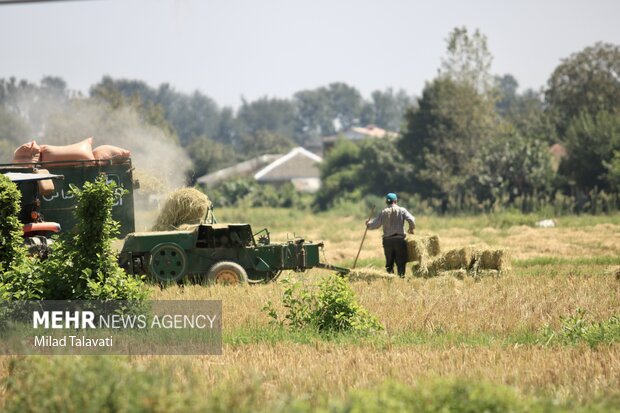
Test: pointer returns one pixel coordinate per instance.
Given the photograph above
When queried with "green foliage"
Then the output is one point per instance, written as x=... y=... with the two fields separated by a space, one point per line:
x=18 y=278
x=331 y=307
x=352 y=170
x=577 y=329
x=614 y=171
x=11 y=248
x=248 y=192
x=112 y=384
x=468 y=59
x=83 y=265
x=444 y=137
x=591 y=142
x=586 y=81
x=208 y=155
x=513 y=165
x=438 y=396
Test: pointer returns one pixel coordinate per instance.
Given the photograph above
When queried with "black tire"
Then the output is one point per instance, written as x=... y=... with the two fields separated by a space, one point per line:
x=227 y=272
x=167 y=263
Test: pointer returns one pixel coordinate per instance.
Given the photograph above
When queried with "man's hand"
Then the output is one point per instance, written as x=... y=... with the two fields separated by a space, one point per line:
x=411 y=231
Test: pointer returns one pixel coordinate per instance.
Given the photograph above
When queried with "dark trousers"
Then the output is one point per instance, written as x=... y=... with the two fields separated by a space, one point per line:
x=395 y=249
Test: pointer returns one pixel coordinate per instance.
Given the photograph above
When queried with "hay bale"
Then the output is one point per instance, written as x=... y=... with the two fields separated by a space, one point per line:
x=432 y=245
x=452 y=260
x=421 y=247
x=457 y=259
x=489 y=260
x=183 y=206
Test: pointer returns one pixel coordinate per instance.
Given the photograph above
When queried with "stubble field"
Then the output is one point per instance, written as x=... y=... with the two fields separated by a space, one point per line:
x=499 y=333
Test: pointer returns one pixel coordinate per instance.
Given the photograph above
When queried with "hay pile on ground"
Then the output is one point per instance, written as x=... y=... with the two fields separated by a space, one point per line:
x=183 y=206
x=368 y=274
x=428 y=262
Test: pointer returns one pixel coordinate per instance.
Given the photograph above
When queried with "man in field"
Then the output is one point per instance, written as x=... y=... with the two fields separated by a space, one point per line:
x=393 y=218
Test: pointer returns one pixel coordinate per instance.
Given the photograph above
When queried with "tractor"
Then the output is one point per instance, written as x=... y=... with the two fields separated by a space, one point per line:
x=217 y=253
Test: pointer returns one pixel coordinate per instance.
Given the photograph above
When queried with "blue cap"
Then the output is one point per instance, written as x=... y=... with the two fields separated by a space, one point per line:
x=391 y=197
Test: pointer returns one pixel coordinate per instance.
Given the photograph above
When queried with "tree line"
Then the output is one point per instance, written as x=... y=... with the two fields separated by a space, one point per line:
x=470 y=141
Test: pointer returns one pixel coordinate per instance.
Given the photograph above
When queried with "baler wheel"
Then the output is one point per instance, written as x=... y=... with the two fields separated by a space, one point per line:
x=227 y=272
x=167 y=262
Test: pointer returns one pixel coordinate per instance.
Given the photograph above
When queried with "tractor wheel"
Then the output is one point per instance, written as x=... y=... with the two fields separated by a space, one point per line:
x=227 y=272
x=167 y=263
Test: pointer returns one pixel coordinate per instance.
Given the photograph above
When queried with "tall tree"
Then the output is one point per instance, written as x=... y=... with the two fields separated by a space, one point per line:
x=267 y=114
x=587 y=81
x=386 y=109
x=592 y=142
x=444 y=136
x=468 y=59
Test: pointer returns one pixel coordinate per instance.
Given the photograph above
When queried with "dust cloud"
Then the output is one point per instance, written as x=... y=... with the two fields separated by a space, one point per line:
x=160 y=163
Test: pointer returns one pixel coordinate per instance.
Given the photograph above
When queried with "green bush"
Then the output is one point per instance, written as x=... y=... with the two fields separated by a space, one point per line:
x=114 y=384
x=83 y=265
x=330 y=307
x=18 y=278
x=437 y=396
x=576 y=329
x=111 y=384
x=11 y=247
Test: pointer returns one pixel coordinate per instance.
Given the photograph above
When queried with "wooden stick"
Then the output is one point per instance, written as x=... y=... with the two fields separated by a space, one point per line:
x=372 y=212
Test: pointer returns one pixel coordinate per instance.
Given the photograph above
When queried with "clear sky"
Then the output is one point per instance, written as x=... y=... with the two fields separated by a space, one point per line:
x=253 y=48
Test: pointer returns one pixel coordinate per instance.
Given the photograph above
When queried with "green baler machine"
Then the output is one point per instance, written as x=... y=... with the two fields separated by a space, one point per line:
x=220 y=253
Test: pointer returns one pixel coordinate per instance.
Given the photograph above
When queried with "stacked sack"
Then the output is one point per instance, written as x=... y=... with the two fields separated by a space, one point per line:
x=31 y=152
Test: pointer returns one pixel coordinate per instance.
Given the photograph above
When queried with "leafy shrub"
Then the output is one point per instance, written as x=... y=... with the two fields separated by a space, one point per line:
x=577 y=329
x=83 y=265
x=18 y=279
x=253 y=194
x=330 y=307
x=111 y=384
x=437 y=396
x=11 y=248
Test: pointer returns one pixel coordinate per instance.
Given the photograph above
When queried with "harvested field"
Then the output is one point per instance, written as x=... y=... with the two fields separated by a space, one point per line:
x=487 y=329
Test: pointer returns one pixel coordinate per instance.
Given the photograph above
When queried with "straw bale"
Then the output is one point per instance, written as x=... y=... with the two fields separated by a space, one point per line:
x=183 y=206
x=419 y=247
x=457 y=259
x=490 y=260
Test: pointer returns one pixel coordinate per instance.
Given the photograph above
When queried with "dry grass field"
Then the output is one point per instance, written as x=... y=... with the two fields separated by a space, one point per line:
x=490 y=330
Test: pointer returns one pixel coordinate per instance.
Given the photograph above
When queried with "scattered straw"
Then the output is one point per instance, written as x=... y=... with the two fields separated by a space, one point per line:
x=183 y=206
x=368 y=274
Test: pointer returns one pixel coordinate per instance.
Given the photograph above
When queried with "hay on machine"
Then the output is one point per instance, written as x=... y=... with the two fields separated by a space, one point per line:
x=186 y=206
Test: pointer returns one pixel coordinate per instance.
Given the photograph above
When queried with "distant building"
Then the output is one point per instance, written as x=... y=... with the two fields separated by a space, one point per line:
x=299 y=166
x=241 y=170
x=357 y=133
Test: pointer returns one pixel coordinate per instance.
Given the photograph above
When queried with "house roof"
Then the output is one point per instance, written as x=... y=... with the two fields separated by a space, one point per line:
x=358 y=132
x=298 y=163
x=246 y=168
